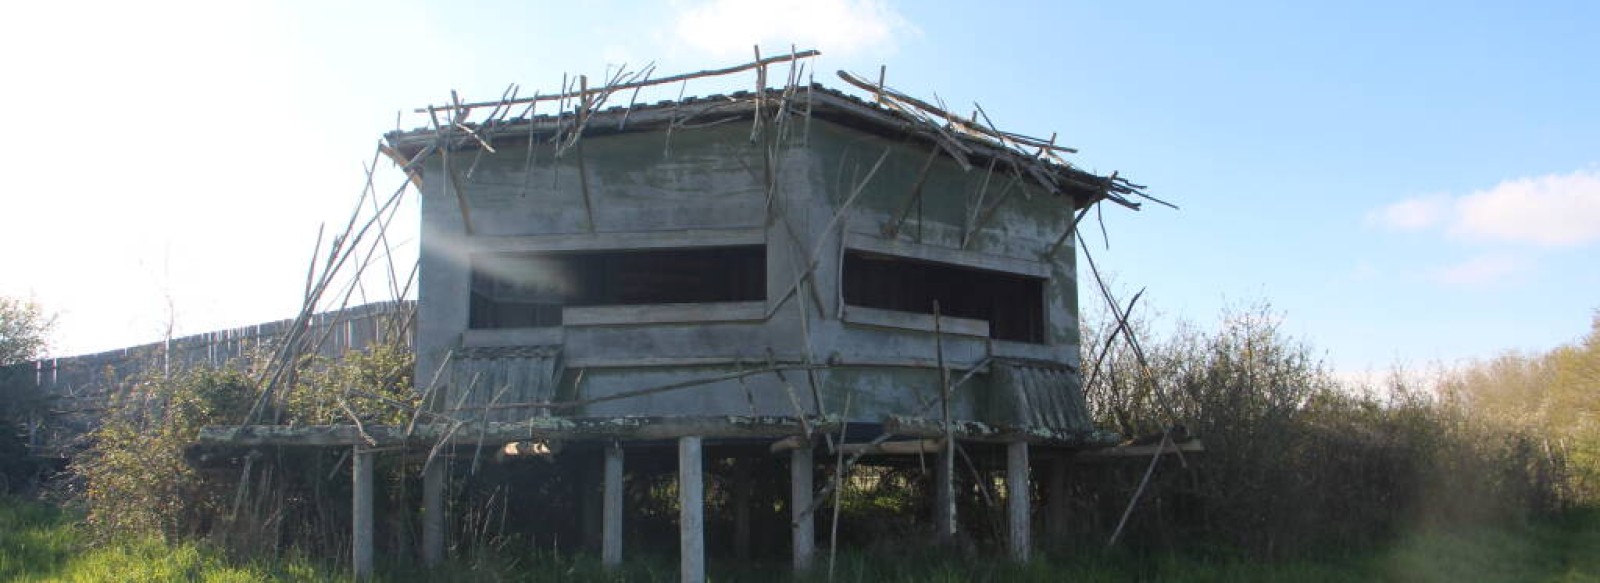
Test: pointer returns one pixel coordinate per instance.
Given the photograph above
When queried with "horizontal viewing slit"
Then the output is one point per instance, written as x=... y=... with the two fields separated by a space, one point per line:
x=523 y=290
x=1012 y=304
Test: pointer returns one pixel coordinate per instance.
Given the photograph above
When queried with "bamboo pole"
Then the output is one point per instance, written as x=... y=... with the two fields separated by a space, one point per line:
x=954 y=120
x=637 y=84
x=583 y=174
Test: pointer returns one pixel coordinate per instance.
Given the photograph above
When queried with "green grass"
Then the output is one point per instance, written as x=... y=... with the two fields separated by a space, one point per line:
x=42 y=543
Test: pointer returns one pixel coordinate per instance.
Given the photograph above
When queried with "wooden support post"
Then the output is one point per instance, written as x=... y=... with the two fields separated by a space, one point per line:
x=691 y=512
x=611 y=535
x=361 y=513
x=944 y=502
x=741 y=509
x=433 y=482
x=1056 y=513
x=1017 y=501
x=803 y=521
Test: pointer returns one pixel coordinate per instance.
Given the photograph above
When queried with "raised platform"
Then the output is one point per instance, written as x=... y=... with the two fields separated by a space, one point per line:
x=495 y=434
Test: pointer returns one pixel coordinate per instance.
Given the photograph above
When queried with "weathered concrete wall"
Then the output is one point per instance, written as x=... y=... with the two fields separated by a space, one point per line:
x=710 y=189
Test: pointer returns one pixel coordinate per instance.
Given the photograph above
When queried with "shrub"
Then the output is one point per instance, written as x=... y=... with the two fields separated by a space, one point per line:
x=141 y=474
x=1296 y=462
x=135 y=476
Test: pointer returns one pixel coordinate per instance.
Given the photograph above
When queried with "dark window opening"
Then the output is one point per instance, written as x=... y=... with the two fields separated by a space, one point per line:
x=1012 y=304
x=525 y=290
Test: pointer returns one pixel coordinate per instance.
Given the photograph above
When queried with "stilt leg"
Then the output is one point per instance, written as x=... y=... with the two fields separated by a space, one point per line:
x=433 y=482
x=1018 y=497
x=691 y=512
x=611 y=535
x=803 y=523
x=361 y=513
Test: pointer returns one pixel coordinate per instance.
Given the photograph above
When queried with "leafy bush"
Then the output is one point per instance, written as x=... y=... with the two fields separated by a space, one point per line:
x=136 y=479
x=142 y=476
x=1295 y=462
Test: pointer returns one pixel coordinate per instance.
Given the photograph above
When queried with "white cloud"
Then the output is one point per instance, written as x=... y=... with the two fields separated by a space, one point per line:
x=726 y=28
x=1551 y=211
x=1555 y=210
x=1413 y=214
x=1480 y=270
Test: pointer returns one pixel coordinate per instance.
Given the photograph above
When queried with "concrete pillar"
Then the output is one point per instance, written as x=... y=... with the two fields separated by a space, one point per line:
x=1018 y=496
x=433 y=486
x=944 y=499
x=691 y=512
x=591 y=504
x=361 y=513
x=1056 y=496
x=802 y=522
x=741 y=508
x=611 y=531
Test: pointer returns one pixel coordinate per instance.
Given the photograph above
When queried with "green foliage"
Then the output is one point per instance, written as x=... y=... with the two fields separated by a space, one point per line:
x=138 y=476
x=1555 y=395
x=374 y=384
x=24 y=330
x=136 y=479
x=44 y=543
x=1295 y=462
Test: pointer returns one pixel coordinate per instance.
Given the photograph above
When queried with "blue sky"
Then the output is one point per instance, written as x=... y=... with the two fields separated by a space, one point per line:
x=1406 y=184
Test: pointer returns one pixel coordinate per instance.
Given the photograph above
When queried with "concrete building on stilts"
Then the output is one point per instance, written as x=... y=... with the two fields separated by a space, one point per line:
x=790 y=273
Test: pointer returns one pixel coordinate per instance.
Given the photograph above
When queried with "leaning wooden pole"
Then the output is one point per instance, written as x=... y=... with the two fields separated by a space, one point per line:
x=624 y=86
